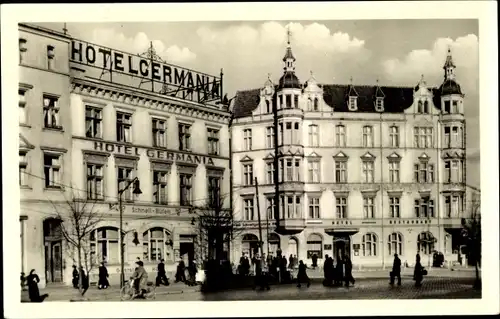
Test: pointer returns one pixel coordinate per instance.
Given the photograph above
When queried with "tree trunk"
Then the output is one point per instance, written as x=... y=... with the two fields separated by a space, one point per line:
x=80 y=277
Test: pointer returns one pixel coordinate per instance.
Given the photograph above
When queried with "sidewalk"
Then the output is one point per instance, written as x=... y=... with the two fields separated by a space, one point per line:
x=68 y=293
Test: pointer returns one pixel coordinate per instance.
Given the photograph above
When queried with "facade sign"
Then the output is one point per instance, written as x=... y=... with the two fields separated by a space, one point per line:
x=152 y=153
x=146 y=68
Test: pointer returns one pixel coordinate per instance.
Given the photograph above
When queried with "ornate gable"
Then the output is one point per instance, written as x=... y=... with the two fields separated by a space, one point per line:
x=424 y=157
x=246 y=158
x=341 y=156
x=394 y=157
x=314 y=155
x=268 y=157
x=368 y=157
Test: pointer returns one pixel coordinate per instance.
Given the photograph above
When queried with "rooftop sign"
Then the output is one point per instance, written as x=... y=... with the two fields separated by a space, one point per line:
x=164 y=78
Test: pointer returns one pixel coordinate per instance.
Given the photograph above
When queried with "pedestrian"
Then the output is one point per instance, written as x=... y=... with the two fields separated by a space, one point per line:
x=283 y=270
x=418 y=272
x=161 y=277
x=302 y=275
x=180 y=275
x=290 y=262
x=339 y=272
x=192 y=270
x=33 y=292
x=314 y=261
x=295 y=259
x=396 y=270
x=76 y=277
x=85 y=280
x=103 y=277
x=327 y=271
x=260 y=279
x=348 y=278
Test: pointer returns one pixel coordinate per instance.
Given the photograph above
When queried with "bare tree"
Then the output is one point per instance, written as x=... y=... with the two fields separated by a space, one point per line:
x=471 y=233
x=79 y=219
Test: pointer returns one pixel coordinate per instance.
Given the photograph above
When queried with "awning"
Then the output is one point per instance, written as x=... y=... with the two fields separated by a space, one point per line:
x=341 y=231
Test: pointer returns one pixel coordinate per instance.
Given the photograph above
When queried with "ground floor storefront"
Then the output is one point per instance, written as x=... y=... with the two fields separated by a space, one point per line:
x=366 y=246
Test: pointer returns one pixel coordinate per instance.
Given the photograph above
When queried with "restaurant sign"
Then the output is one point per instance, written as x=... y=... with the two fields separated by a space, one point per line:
x=153 y=153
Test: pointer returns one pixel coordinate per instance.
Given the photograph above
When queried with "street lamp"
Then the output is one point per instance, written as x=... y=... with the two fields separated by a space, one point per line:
x=136 y=191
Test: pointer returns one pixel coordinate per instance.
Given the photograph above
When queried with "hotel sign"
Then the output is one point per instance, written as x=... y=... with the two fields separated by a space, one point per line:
x=149 y=68
x=153 y=153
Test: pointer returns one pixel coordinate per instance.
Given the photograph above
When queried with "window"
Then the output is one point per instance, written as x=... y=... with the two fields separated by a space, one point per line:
x=50 y=57
x=247 y=139
x=313 y=135
x=296 y=134
x=341 y=207
x=213 y=141
x=268 y=106
x=455 y=137
x=447 y=140
x=423 y=172
x=453 y=171
x=379 y=104
x=340 y=135
x=248 y=209
x=314 y=246
x=316 y=104
x=289 y=169
x=394 y=171
x=288 y=101
x=95 y=189
x=51 y=112
x=281 y=101
x=394 y=207
x=93 y=122
x=104 y=245
x=159 y=133
x=22 y=49
x=297 y=170
x=353 y=103
x=293 y=206
x=270 y=207
x=184 y=137
x=394 y=136
x=395 y=244
x=340 y=171
x=160 y=187
x=454 y=107
x=424 y=208
x=23 y=116
x=269 y=137
x=269 y=172
x=425 y=243
x=214 y=191
x=453 y=206
x=281 y=133
x=52 y=168
x=281 y=174
x=314 y=208
x=289 y=206
x=186 y=189
x=157 y=245
x=369 y=245
x=247 y=174
x=298 y=210
x=313 y=169
x=369 y=207
x=367 y=136
x=124 y=178
x=447 y=108
x=422 y=137
x=288 y=133
x=23 y=169
x=123 y=127
x=368 y=171
x=296 y=101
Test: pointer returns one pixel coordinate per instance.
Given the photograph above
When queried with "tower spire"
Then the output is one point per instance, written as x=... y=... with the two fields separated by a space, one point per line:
x=289 y=59
x=449 y=66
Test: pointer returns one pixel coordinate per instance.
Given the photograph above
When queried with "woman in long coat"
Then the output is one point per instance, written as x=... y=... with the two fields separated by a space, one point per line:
x=103 y=277
x=32 y=281
x=417 y=272
x=302 y=275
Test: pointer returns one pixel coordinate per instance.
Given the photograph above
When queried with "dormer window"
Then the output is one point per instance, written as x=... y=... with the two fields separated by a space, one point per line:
x=50 y=56
x=316 y=104
x=268 y=106
x=353 y=103
x=379 y=104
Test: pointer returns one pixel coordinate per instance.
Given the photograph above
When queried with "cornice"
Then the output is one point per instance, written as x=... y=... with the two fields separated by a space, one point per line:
x=154 y=102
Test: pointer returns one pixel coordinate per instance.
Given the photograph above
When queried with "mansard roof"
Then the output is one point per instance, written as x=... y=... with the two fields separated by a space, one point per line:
x=396 y=99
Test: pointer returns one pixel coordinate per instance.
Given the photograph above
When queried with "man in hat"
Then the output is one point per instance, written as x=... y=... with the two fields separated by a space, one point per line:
x=140 y=278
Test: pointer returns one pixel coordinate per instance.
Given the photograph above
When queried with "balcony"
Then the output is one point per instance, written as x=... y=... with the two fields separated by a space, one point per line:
x=254 y=224
x=290 y=226
x=293 y=112
x=451 y=223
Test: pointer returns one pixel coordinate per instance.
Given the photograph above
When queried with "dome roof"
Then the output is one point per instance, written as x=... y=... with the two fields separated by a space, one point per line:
x=450 y=87
x=289 y=81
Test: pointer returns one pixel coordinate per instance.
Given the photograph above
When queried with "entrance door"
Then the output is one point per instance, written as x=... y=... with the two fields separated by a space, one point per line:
x=53 y=250
x=56 y=262
x=186 y=247
x=342 y=246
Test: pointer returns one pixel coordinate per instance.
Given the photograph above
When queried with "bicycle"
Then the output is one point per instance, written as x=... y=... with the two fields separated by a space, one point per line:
x=128 y=291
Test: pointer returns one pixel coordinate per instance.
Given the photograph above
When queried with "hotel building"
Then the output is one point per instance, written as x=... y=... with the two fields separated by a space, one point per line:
x=367 y=171
x=83 y=138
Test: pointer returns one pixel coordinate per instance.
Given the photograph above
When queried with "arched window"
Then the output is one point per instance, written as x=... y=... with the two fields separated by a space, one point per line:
x=274 y=244
x=419 y=109
x=157 y=245
x=369 y=245
x=426 y=107
x=316 y=104
x=268 y=106
x=425 y=243
x=314 y=246
x=395 y=244
x=293 y=246
x=104 y=245
x=250 y=245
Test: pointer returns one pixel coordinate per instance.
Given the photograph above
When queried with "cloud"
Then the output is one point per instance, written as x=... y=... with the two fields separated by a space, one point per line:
x=407 y=70
x=250 y=52
x=140 y=43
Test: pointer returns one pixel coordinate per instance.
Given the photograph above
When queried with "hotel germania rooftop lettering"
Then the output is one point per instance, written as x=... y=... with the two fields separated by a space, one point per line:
x=153 y=153
x=148 y=68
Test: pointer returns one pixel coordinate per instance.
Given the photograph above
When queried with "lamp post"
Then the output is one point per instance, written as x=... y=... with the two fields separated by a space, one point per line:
x=269 y=209
x=137 y=191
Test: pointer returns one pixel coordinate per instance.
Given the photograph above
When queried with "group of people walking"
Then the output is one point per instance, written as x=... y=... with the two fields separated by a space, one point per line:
x=338 y=272
x=418 y=273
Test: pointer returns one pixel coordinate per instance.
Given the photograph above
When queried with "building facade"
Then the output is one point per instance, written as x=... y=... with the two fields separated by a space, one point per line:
x=106 y=135
x=367 y=171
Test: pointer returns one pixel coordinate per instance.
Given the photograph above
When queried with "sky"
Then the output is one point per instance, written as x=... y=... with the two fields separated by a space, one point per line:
x=395 y=52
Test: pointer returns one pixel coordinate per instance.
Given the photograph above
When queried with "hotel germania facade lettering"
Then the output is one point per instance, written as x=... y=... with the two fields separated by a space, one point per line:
x=92 y=138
